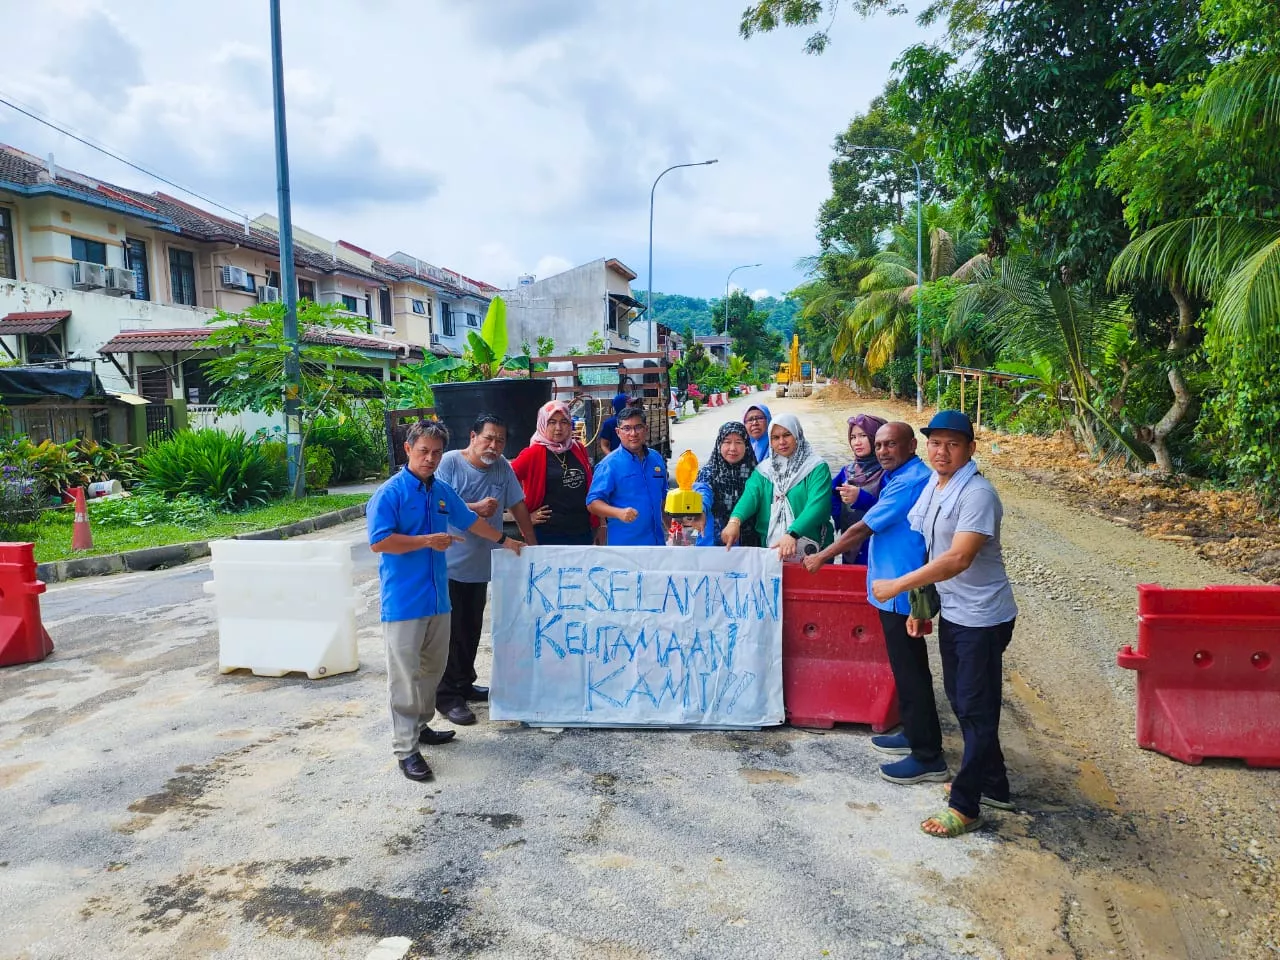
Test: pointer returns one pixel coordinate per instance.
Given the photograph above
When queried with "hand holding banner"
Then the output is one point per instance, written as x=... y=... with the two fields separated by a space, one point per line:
x=637 y=636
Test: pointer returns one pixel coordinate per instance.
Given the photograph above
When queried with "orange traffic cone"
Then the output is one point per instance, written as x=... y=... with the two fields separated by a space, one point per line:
x=81 y=535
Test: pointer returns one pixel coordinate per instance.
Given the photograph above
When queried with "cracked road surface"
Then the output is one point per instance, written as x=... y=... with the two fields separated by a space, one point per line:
x=155 y=808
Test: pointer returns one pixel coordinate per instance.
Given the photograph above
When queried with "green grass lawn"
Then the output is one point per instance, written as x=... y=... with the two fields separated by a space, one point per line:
x=53 y=534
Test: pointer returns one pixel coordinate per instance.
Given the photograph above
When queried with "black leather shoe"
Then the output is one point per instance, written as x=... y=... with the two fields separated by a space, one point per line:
x=478 y=694
x=461 y=715
x=415 y=768
x=433 y=738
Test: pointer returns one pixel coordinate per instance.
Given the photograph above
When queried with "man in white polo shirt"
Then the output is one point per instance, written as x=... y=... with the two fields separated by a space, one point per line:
x=959 y=514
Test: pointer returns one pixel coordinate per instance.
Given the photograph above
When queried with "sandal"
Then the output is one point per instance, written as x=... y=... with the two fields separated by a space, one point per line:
x=953 y=824
x=985 y=801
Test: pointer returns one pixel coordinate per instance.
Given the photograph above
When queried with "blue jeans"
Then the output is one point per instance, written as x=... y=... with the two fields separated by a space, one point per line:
x=972 y=675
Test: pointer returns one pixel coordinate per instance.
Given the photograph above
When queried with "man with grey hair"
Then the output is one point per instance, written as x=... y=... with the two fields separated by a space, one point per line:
x=408 y=519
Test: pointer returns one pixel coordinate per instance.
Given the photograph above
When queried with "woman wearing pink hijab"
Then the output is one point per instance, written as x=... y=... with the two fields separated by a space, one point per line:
x=555 y=474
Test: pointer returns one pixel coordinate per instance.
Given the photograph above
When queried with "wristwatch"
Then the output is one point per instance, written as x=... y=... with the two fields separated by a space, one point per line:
x=502 y=539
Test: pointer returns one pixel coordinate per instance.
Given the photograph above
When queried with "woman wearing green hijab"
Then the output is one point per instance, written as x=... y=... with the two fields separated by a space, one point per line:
x=788 y=498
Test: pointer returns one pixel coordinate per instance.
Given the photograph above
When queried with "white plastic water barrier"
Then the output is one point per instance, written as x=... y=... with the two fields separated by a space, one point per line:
x=284 y=606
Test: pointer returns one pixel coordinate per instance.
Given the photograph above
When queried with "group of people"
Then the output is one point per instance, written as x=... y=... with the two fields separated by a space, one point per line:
x=929 y=536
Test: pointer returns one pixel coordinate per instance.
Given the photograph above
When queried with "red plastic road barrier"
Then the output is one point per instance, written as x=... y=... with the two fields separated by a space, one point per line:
x=1208 y=664
x=834 y=664
x=23 y=638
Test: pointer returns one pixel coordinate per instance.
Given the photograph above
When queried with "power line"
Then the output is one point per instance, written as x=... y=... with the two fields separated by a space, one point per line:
x=115 y=156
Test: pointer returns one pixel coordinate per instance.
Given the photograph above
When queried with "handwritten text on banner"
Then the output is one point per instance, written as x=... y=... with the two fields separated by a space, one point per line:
x=662 y=636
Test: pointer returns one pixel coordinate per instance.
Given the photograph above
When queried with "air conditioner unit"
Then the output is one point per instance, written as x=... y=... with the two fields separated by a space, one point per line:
x=435 y=339
x=88 y=276
x=121 y=281
x=268 y=294
x=237 y=278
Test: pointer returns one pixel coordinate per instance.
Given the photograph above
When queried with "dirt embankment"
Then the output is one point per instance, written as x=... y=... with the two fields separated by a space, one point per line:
x=1115 y=851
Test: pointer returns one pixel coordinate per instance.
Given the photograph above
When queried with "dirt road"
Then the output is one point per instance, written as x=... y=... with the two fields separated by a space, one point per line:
x=1118 y=851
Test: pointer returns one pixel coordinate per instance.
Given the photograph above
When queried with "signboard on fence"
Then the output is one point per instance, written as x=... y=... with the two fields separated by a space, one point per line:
x=637 y=636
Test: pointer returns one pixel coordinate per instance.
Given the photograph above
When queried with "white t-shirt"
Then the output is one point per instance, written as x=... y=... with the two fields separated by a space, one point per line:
x=982 y=595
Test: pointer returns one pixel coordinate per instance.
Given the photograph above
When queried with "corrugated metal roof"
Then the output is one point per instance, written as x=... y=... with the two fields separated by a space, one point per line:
x=165 y=341
x=40 y=321
x=154 y=341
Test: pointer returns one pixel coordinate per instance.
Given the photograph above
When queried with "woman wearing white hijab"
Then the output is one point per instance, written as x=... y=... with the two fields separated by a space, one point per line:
x=788 y=498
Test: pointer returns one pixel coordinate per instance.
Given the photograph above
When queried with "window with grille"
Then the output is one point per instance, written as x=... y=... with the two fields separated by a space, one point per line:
x=153 y=384
x=8 y=263
x=182 y=277
x=135 y=255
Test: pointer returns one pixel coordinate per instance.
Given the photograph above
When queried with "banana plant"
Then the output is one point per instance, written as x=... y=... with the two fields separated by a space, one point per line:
x=486 y=351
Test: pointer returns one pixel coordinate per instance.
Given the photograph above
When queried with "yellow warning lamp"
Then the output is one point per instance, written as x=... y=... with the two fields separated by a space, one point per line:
x=682 y=502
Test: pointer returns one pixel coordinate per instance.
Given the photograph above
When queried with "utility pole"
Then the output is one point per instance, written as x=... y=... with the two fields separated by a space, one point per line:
x=288 y=272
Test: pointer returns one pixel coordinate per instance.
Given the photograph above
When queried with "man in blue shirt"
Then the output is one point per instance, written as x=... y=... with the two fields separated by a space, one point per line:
x=409 y=518
x=896 y=549
x=630 y=486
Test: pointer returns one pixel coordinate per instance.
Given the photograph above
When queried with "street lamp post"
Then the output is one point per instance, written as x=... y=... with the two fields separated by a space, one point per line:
x=648 y=300
x=919 y=272
x=292 y=359
x=745 y=266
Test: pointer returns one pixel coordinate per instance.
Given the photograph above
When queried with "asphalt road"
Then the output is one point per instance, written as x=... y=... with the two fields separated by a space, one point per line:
x=155 y=808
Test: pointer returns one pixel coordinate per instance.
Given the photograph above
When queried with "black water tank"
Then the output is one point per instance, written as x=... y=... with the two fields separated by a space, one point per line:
x=515 y=401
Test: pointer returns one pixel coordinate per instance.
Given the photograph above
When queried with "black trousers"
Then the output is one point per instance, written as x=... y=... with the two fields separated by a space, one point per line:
x=909 y=661
x=972 y=673
x=465 y=625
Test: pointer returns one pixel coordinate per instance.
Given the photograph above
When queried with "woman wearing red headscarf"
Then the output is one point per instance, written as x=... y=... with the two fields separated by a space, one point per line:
x=556 y=475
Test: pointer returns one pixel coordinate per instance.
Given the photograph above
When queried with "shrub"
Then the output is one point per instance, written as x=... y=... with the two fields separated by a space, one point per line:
x=356 y=443
x=145 y=509
x=223 y=468
x=76 y=463
x=317 y=463
x=1038 y=415
x=22 y=499
x=319 y=467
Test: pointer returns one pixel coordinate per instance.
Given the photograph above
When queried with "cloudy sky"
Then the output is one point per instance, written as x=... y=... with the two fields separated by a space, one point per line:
x=495 y=137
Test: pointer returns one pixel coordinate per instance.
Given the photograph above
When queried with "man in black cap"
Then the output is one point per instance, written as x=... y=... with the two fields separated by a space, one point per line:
x=959 y=515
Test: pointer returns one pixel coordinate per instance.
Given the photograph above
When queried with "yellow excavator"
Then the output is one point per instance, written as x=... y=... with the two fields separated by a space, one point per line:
x=792 y=377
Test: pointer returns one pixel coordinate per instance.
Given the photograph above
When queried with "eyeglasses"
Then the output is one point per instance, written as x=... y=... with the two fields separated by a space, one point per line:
x=636 y=429
x=755 y=420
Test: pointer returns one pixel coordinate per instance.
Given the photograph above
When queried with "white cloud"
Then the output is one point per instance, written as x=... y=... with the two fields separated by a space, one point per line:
x=496 y=136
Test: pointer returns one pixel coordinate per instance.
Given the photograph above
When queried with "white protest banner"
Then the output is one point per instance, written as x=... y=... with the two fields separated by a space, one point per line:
x=637 y=636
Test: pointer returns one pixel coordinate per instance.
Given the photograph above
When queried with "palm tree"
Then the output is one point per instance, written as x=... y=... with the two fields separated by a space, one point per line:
x=1232 y=261
x=826 y=302
x=884 y=316
x=1029 y=312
